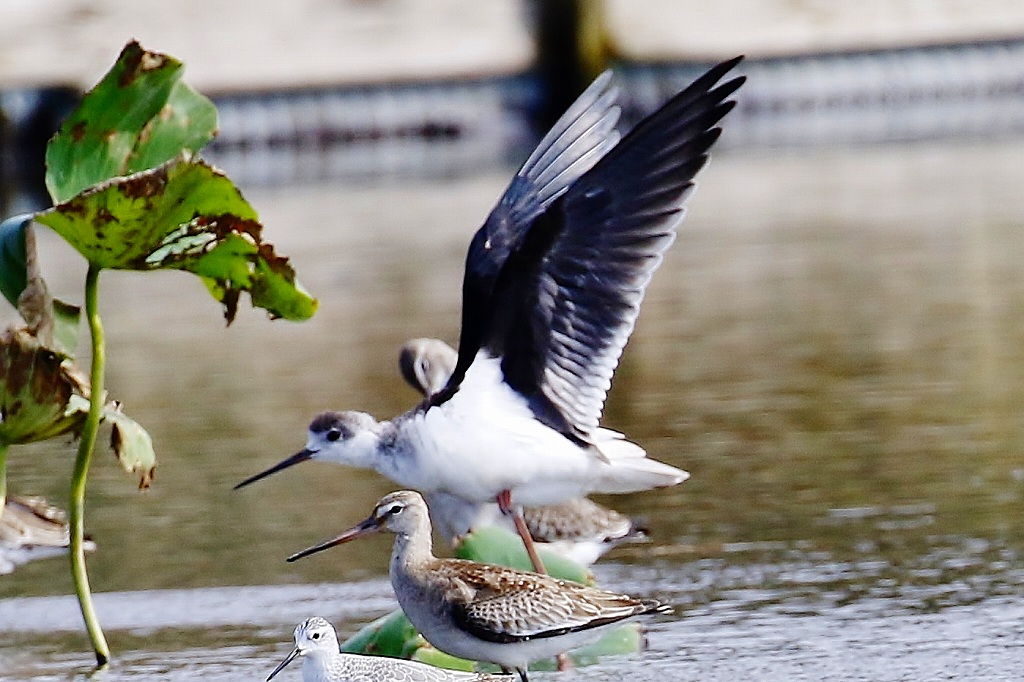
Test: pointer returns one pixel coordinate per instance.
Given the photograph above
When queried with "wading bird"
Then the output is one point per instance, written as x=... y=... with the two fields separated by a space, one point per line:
x=483 y=612
x=551 y=292
x=580 y=529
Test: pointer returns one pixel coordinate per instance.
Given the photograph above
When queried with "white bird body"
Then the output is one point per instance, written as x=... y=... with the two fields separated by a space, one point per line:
x=465 y=445
x=580 y=530
x=440 y=449
x=317 y=642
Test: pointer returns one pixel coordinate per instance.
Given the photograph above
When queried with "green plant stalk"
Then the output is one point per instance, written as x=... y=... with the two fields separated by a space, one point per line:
x=3 y=478
x=86 y=445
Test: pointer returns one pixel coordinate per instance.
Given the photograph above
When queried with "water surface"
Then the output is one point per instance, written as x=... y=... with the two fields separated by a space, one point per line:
x=832 y=348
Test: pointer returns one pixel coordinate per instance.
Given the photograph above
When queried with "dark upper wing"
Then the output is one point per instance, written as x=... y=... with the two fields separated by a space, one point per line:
x=584 y=133
x=568 y=297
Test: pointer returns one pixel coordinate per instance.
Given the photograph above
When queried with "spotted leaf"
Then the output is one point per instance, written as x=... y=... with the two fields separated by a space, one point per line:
x=183 y=215
x=139 y=116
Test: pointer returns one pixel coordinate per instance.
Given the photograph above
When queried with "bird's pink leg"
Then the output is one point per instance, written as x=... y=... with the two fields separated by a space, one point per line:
x=563 y=662
x=505 y=505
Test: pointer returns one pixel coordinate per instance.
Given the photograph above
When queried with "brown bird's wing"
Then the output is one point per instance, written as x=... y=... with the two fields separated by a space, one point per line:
x=505 y=605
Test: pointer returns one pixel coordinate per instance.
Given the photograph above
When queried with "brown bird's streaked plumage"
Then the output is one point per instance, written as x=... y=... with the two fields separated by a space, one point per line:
x=31 y=529
x=484 y=612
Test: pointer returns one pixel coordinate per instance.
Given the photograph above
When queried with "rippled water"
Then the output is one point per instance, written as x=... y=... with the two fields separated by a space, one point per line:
x=832 y=348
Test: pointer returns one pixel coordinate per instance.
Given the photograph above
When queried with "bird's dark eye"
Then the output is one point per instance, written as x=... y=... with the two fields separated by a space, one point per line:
x=333 y=435
x=395 y=509
x=315 y=635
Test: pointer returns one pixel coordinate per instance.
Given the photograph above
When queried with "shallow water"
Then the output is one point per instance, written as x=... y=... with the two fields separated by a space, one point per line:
x=832 y=348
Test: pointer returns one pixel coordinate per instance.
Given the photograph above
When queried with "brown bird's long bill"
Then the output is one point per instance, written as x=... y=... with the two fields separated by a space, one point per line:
x=300 y=456
x=370 y=525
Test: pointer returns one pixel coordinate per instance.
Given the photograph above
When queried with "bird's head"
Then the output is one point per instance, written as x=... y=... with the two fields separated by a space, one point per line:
x=339 y=437
x=313 y=637
x=426 y=364
x=400 y=512
x=315 y=634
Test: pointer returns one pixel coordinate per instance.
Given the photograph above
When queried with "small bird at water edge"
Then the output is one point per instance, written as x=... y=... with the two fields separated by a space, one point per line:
x=316 y=641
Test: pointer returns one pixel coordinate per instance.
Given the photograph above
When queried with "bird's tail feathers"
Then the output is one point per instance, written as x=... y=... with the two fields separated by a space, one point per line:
x=628 y=468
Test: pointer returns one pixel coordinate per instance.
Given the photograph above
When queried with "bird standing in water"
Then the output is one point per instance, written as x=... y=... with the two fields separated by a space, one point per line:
x=483 y=612
x=552 y=289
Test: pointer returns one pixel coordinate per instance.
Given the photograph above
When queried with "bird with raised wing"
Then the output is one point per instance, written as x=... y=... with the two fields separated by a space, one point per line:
x=551 y=293
x=483 y=612
x=580 y=529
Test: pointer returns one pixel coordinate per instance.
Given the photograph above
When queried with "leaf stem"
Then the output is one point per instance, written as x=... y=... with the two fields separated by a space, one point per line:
x=86 y=445
x=3 y=478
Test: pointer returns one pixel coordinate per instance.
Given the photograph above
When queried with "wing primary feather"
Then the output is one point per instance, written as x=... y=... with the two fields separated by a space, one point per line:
x=567 y=300
x=577 y=141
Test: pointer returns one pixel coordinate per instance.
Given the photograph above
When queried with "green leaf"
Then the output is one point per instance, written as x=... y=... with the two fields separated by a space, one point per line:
x=439 y=659
x=187 y=121
x=42 y=394
x=136 y=118
x=498 y=546
x=387 y=636
x=131 y=444
x=275 y=289
x=183 y=215
x=66 y=326
x=13 y=272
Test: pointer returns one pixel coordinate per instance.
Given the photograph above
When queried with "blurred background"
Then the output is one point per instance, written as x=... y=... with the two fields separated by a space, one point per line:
x=833 y=346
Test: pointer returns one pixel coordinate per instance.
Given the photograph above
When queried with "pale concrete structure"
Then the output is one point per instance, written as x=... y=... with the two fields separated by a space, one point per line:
x=230 y=45
x=673 y=30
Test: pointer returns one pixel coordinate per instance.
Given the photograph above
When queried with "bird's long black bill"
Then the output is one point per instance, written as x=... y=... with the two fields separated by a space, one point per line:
x=282 y=664
x=370 y=525
x=300 y=456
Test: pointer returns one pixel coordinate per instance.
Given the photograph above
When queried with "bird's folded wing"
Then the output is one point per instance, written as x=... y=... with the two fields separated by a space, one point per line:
x=506 y=612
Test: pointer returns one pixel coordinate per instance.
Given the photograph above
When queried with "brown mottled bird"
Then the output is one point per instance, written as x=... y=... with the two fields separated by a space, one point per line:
x=31 y=529
x=483 y=612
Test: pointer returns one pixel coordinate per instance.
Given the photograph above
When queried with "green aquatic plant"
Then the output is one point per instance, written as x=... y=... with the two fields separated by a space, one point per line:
x=492 y=545
x=130 y=193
